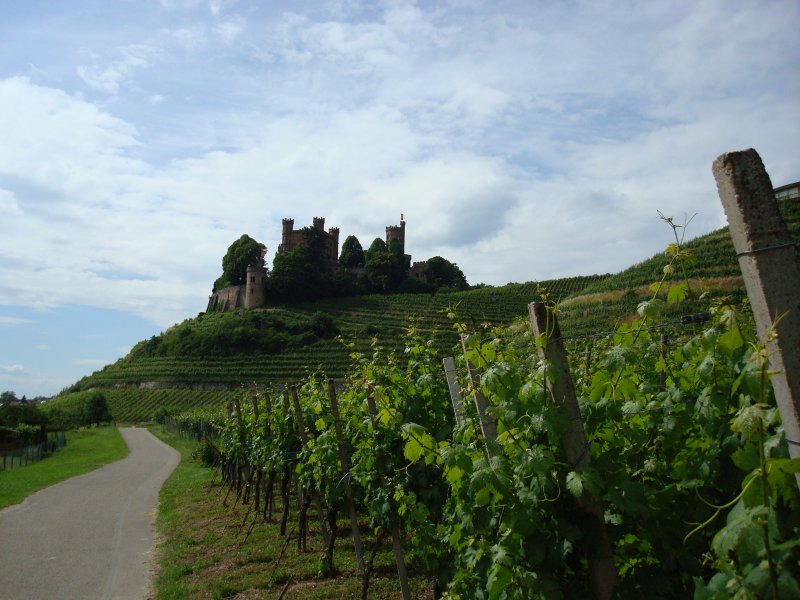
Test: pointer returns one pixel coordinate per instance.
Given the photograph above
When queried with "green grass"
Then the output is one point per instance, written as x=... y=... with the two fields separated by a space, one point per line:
x=86 y=450
x=204 y=553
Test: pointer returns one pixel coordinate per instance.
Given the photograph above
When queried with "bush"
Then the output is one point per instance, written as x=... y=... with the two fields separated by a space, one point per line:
x=160 y=415
x=206 y=453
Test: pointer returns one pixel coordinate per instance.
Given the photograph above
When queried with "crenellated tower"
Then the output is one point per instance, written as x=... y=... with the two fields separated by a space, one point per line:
x=286 y=235
x=397 y=233
x=292 y=238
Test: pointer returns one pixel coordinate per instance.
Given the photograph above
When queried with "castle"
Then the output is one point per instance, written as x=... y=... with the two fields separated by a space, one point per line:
x=253 y=293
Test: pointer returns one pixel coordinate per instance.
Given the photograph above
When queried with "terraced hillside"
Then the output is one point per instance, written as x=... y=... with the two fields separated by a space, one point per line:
x=138 y=384
x=358 y=320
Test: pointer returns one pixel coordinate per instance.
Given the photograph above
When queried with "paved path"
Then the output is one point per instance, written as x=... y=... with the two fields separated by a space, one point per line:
x=88 y=537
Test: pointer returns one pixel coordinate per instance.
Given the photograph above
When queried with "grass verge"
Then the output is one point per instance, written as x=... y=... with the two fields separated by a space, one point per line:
x=206 y=552
x=86 y=450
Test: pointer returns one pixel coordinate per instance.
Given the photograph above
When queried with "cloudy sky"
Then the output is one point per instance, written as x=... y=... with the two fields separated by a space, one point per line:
x=522 y=140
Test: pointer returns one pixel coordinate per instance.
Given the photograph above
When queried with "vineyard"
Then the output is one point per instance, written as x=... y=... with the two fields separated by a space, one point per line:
x=654 y=464
x=684 y=450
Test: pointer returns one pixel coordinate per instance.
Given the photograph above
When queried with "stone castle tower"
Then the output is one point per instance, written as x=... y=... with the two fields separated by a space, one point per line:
x=256 y=286
x=397 y=233
x=291 y=238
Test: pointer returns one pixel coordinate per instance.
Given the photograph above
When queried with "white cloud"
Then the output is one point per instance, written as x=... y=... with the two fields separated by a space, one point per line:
x=94 y=362
x=42 y=347
x=108 y=77
x=5 y=320
x=229 y=30
x=190 y=39
x=12 y=368
x=8 y=204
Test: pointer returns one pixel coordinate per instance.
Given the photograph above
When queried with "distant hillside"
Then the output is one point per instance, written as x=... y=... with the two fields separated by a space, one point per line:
x=224 y=350
x=240 y=347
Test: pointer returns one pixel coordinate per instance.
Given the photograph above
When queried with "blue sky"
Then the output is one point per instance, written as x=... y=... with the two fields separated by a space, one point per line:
x=522 y=140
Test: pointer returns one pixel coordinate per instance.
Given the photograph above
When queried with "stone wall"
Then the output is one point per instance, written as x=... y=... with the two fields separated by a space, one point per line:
x=227 y=298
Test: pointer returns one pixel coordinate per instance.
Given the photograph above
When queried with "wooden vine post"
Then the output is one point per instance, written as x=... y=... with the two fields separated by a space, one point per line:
x=573 y=443
x=254 y=401
x=768 y=260
x=345 y=464
x=397 y=546
x=451 y=374
x=301 y=426
x=488 y=425
x=242 y=470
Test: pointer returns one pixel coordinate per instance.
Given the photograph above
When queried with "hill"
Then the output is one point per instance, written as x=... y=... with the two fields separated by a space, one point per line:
x=200 y=361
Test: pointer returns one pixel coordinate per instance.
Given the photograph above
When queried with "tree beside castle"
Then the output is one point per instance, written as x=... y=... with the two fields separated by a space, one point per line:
x=308 y=266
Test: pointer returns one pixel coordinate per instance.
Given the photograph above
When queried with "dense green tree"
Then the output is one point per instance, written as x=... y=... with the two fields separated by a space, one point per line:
x=12 y=415
x=7 y=397
x=300 y=273
x=386 y=267
x=96 y=409
x=443 y=273
x=378 y=264
x=243 y=252
x=352 y=253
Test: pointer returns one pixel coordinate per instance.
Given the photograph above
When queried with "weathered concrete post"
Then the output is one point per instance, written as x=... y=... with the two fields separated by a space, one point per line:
x=602 y=573
x=768 y=260
x=452 y=384
x=488 y=425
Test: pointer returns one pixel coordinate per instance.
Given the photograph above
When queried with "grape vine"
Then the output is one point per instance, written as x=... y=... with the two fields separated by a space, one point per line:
x=687 y=456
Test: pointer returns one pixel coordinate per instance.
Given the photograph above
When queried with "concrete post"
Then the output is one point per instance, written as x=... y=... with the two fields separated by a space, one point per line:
x=488 y=425
x=452 y=384
x=602 y=573
x=768 y=259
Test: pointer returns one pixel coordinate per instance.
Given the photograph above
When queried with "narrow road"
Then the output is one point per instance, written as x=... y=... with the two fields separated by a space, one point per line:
x=89 y=537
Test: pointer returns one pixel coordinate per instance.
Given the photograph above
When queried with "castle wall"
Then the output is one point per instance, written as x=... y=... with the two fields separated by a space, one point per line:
x=419 y=268
x=227 y=298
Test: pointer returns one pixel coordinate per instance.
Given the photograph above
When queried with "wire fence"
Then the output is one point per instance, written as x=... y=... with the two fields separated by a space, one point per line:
x=21 y=457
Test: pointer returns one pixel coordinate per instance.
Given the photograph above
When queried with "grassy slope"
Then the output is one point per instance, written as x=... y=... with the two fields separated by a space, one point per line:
x=588 y=304
x=86 y=450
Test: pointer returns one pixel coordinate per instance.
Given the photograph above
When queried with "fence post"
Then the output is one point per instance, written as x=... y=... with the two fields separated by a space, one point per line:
x=588 y=366
x=662 y=374
x=768 y=260
x=345 y=464
x=254 y=400
x=576 y=449
x=301 y=426
x=452 y=384
x=397 y=546
x=488 y=426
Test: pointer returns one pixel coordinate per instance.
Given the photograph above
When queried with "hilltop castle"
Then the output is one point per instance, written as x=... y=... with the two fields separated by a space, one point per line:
x=253 y=293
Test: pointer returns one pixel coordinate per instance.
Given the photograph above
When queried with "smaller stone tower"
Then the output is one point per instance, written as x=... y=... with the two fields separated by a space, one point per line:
x=319 y=223
x=256 y=285
x=332 y=250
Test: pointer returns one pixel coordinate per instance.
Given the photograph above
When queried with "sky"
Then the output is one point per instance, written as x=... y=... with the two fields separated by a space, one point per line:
x=522 y=140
